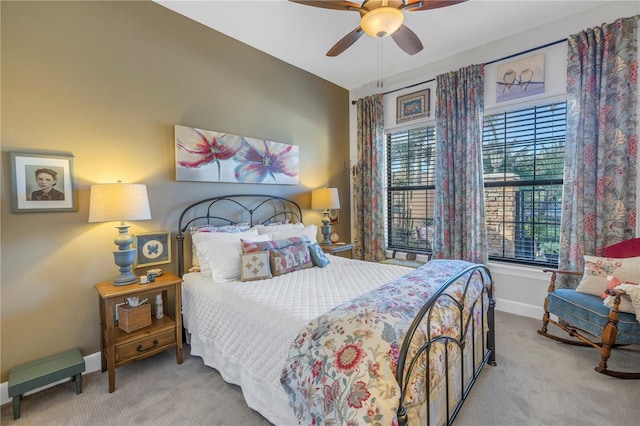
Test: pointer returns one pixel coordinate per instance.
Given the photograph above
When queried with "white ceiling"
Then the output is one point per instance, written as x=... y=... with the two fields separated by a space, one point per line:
x=301 y=35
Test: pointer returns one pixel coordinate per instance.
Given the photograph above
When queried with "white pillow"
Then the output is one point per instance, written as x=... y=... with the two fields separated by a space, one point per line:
x=221 y=258
x=199 y=237
x=268 y=229
x=309 y=231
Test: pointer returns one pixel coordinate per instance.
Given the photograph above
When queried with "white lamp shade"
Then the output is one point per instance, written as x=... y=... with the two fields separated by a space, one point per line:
x=118 y=202
x=325 y=198
x=382 y=22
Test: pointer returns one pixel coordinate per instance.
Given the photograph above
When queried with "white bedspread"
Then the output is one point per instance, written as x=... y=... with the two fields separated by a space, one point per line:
x=245 y=329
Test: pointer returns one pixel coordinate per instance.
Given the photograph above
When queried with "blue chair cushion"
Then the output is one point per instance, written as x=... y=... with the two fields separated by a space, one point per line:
x=589 y=313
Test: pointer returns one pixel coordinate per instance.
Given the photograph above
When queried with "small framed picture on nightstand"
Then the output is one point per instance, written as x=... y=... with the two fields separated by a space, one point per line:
x=334 y=216
x=153 y=248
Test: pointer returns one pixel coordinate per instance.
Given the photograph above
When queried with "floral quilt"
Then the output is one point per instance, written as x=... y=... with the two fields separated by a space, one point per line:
x=341 y=367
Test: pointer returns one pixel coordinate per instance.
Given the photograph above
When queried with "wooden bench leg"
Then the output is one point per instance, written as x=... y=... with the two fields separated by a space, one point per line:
x=78 y=381
x=17 y=400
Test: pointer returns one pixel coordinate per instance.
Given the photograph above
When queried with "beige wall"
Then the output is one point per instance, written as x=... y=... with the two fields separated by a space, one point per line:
x=107 y=81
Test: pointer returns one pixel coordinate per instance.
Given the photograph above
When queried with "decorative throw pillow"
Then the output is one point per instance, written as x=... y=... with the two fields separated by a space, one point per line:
x=597 y=269
x=220 y=258
x=625 y=301
x=310 y=232
x=255 y=266
x=276 y=223
x=253 y=246
x=613 y=283
x=278 y=227
x=317 y=255
x=238 y=227
x=288 y=259
x=201 y=228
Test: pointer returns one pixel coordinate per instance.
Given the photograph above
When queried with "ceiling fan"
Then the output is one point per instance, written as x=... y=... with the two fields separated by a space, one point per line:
x=380 y=18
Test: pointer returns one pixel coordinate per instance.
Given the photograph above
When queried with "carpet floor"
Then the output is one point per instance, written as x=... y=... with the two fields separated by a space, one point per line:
x=537 y=382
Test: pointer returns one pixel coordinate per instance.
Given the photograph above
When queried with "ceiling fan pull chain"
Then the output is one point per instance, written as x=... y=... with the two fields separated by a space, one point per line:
x=379 y=84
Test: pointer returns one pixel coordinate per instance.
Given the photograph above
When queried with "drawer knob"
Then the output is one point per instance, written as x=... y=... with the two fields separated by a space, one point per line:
x=155 y=343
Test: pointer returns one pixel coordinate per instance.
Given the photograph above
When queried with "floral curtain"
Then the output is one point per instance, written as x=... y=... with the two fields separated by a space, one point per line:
x=599 y=201
x=368 y=181
x=460 y=231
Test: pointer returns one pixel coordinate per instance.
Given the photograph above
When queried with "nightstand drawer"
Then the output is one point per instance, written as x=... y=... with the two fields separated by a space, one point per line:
x=148 y=344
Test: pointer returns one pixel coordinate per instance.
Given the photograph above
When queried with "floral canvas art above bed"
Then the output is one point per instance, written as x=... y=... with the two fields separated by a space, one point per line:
x=210 y=156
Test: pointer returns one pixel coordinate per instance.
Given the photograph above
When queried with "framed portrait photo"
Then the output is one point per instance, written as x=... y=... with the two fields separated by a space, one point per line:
x=42 y=182
x=413 y=106
x=334 y=216
x=152 y=248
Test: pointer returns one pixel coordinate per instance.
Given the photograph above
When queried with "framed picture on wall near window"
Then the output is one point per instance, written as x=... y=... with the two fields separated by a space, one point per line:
x=521 y=78
x=413 y=106
x=41 y=182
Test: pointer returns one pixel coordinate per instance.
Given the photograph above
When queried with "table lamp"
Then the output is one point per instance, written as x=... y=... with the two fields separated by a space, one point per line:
x=325 y=199
x=119 y=202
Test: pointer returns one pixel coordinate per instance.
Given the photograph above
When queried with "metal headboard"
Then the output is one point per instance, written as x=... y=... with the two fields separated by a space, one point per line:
x=232 y=209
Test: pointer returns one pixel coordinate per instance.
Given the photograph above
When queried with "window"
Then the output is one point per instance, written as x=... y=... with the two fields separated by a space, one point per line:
x=411 y=189
x=523 y=155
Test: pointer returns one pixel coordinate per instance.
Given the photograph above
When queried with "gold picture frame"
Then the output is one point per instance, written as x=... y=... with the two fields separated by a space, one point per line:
x=413 y=106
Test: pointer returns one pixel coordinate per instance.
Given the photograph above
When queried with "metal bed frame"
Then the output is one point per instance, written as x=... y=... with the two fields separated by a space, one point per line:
x=257 y=205
x=424 y=318
x=228 y=207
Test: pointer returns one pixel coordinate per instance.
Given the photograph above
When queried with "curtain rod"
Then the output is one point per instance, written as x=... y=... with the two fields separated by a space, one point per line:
x=487 y=63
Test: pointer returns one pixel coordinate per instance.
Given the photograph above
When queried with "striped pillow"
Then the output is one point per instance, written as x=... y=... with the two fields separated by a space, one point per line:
x=289 y=259
x=253 y=246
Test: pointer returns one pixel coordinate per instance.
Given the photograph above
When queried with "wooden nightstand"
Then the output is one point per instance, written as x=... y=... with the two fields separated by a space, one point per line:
x=337 y=248
x=119 y=348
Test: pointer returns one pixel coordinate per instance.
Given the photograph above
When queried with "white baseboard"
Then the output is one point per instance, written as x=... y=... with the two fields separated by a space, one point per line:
x=91 y=364
x=92 y=361
x=518 y=308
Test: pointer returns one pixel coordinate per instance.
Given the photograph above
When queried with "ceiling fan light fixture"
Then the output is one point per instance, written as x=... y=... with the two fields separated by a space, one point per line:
x=382 y=22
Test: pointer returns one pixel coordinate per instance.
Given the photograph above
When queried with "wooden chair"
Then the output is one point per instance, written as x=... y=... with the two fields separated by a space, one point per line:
x=586 y=318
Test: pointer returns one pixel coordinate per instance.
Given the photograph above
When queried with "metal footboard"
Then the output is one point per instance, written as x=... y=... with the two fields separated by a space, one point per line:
x=407 y=363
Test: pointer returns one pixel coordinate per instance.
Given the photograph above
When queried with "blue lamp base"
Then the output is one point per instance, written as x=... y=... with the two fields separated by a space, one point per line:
x=124 y=257
x=325 y=229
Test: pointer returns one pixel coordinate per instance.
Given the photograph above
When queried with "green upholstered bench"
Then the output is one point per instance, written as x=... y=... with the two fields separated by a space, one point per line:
x=41 y=372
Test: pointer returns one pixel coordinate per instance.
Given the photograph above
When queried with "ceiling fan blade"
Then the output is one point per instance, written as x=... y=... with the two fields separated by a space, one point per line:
x=407 y=40
x=433 y=4
x=337 y=5
x=345 y=42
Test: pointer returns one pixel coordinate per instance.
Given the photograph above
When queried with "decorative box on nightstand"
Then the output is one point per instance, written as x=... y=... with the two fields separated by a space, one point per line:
x=338 y=248
x=119 y=347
